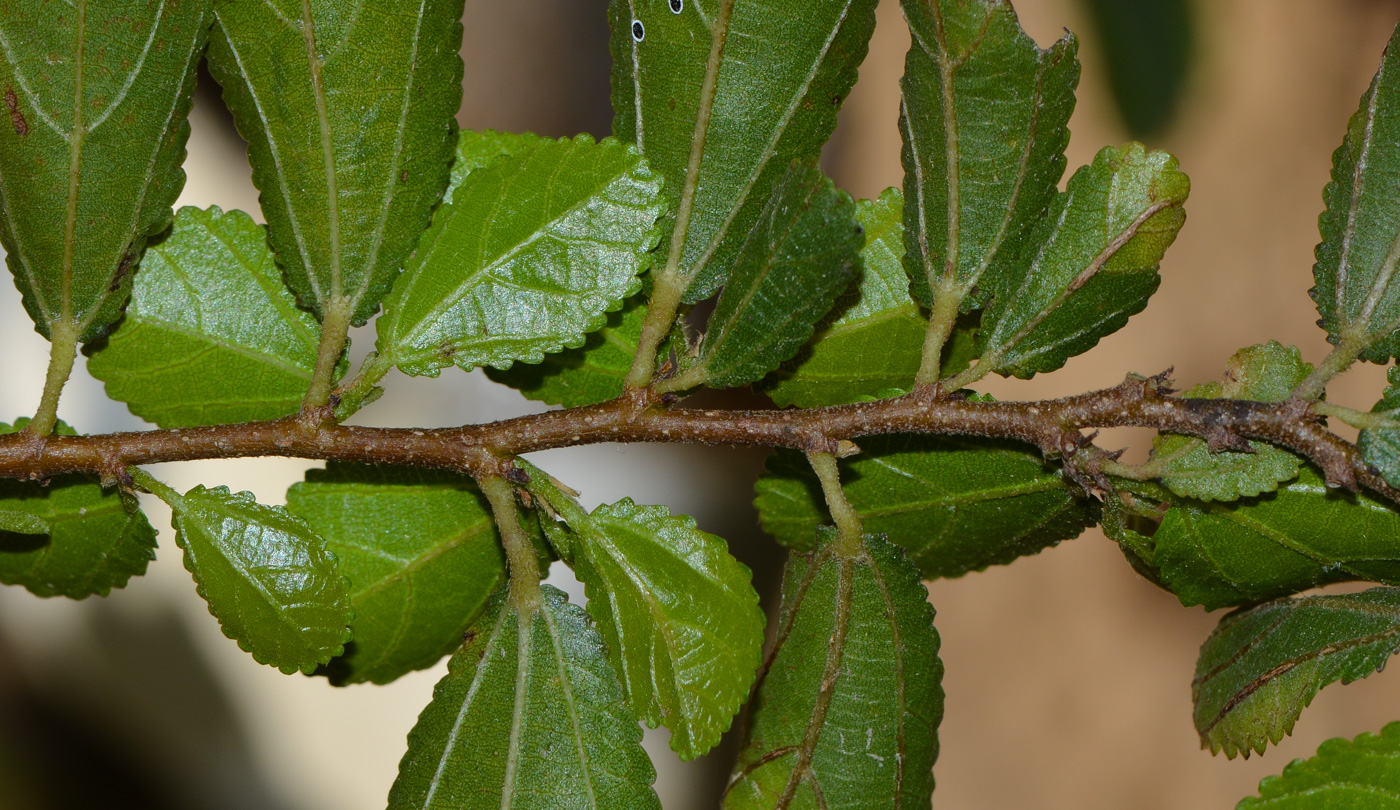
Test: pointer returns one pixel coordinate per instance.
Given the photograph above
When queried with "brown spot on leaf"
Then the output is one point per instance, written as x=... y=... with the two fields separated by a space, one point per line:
x=403 y=176
x=16 y=117
x=122 y=270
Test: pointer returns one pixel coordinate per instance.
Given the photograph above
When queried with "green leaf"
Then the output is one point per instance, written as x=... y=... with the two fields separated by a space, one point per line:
x=530 y=255
x=211 y=336
x=477 y=149
x=1091 y=262
x=96 y=97
x=847 y=712
x=1300 y=536
x=1360 y=774
x=267 y=577
x=422 y=554
x=1265 y=373
x=348 y=110
x=1262 y=666
x=801 y=253
x=1380 y=447
x=1357 y=292
x=955 y=505
x=530 y=716
x=69 y=536
x=678 y=615
x=873 y=338
x=596 y=371
x=984 y=120
x=782 y=70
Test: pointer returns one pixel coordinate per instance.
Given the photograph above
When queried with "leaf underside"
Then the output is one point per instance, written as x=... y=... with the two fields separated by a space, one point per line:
x=1262 y=666
x=955 y=505
x=784 y=69
x=847 y=712
x=1380 y=447
x=97 y=103
x=348 y=111
x=530 y=716
x=422 y=554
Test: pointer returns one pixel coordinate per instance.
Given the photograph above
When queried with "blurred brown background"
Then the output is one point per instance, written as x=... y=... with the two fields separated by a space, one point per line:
x=1067 y=676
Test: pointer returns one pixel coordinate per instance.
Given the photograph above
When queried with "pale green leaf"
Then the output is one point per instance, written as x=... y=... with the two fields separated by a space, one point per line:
x=1358 y=291
x=784 y=67
x=1262 y=666
x=1360 y=774
x=956 y=505
x=348 y=112
x=1380 y=447
x=847 y=712
x=528 y=257
x=91 y=141
x=984 y=120
x=69 y=536
x=267 y=577
x=873 y=338
x=678 y=614
x=801 y=253
x=530 y=716
x=422 y=554
x=1091 y=262
x=1302 y=535
x=1265 y=373
x=211 y=336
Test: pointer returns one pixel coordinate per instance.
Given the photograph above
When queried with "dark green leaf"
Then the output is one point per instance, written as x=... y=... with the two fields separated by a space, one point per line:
x=783 y=68
x=1262 y=666
x=873 y=338
x=527 y=258
x=1092 y=262
x=1381 y=446
x=1300 y=536
x=1147 y=47
x=267 y=577
x=96 y=97
x=69 y=536
x=801 y=253
x=595 y=371
x=211 y=336
x=847 y=712
x=955 y=505
x=1265 y=373
x=984 y=119
x=1360 y=774
x=678 y=614
x=529 y=716
x=1357 y=292
x=348 y=111
x=421 y=552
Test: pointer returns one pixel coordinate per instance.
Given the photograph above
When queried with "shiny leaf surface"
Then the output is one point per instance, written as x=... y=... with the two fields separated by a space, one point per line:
x=529 y=256
x=1359 y=774
x=211 y=336
x=422 y=554
x=267 y=577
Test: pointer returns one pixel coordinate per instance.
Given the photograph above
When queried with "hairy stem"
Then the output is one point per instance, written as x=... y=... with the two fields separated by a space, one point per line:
x=947 y=298
x=1338 y=360
x=335 y=333
x=63 y=350
x=849 y=532
x=1052 y=425
x=520 y=552
x=1361 y=420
